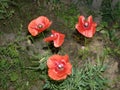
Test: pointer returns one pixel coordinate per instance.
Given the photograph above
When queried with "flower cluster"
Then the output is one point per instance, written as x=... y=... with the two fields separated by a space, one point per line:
x=59 y=67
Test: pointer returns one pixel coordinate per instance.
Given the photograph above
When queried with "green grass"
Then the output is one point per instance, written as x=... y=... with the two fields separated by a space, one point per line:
x=68 y=15
x=110 y=14
x=10 y=64
x=5 y=10
x=14 y=60
x=111 y=34
x=14 y=69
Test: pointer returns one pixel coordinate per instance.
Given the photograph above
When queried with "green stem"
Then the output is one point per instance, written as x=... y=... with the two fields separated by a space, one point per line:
x=85 y=41
x=46 y=43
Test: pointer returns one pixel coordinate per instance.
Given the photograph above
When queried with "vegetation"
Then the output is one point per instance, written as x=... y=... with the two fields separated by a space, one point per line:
x=88 y=77
x=23 y=59
x=5 y=11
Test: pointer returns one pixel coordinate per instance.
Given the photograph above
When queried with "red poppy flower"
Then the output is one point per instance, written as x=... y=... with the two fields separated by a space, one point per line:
x=56 y=37
x=38 y=25
x=86 y=27
x=59 y=67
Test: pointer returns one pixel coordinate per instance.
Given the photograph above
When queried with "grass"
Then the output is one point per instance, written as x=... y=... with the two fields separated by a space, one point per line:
x=13 y=68
x=111 y=33
x=109 y=13
x=5 y=11
x=69 y=15
x=10 y=64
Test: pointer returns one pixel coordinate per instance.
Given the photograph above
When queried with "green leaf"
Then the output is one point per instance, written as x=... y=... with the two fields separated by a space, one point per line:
x=42 y=66
x=13 y=76
x=99 y=28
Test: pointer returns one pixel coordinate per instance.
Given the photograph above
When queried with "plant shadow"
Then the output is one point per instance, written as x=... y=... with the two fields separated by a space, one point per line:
x=79 y=38
x=51 y=47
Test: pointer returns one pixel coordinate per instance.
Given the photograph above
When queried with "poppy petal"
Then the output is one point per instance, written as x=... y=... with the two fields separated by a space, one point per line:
x=32 y=28
x=50 y=63
x=52 y=74
x=49 y=39
x=69 y=68
x=59 y=40
x=33 y=32
x=90 y=20
x=79 y=25
x=66 y=58
x=88 y=33
x=52 y=59
x=81 y=19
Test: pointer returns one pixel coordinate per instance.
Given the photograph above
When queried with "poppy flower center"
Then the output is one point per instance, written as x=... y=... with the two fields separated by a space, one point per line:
x=86 y=24
x=60 y=66
x=52 y=35
x=40 y=26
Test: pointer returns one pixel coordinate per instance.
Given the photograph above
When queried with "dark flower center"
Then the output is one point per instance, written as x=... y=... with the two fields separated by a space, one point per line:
x=40 y=26
x=86 y=24
x=60 y=66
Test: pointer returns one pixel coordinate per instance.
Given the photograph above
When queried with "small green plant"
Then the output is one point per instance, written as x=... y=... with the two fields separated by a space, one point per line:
x=112 y=35
x=9 y=51
x=9 y=59
x=5 y=11
x=86 y=3
x=84 y=53
x=109 y=13
x=12 y=68
x=69 y=15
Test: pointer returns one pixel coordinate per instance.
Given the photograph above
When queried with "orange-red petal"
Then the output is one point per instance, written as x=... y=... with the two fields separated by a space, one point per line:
x=52 y=74
x=32 y=28
x=59 y=40
x=51 y=61
x=69 y=68
x=90 y=20
x=49 y=39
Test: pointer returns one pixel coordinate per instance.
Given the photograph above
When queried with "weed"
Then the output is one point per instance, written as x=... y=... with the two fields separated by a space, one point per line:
x=5 y=11
x=69 y=15
x=111 y=35
x=110 y=14
x=9 y=51
x=86 y=3
x=83 y=53
x=9 y=61
x=12 y=67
